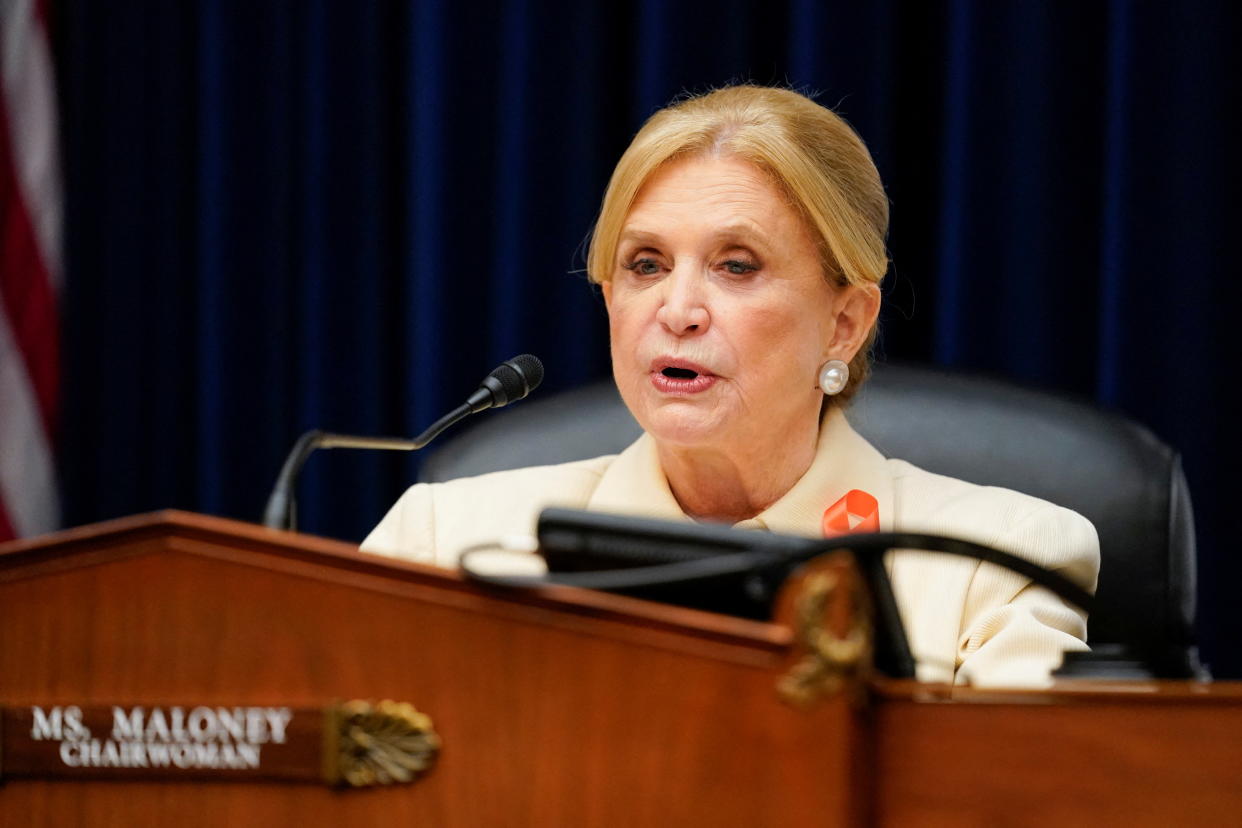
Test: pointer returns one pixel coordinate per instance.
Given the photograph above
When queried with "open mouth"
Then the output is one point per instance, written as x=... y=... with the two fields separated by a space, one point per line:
x=681 y=378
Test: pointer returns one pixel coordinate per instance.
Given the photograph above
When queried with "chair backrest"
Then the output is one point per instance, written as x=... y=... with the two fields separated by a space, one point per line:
x=1104 y=466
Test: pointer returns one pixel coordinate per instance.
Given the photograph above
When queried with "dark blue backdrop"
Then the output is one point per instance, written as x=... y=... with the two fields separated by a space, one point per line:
x=284 y=215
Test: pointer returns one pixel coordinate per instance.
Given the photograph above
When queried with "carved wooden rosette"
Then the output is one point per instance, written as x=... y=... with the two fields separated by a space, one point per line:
x=377 y=744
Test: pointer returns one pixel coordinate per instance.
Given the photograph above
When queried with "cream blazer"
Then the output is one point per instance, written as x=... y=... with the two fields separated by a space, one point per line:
x=967 y=622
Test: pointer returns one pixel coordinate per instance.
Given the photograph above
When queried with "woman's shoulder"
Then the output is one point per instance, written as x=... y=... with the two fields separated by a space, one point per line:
x=433 y=522
x=1041 y=531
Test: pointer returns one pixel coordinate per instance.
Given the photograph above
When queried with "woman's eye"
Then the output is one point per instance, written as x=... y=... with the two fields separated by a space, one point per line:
x=739 y=268
x=643 y=267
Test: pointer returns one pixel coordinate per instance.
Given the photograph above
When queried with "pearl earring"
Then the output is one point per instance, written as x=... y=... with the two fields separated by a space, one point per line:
x=833 y=375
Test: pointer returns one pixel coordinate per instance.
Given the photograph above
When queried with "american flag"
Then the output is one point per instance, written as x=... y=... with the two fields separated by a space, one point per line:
x=30 y=272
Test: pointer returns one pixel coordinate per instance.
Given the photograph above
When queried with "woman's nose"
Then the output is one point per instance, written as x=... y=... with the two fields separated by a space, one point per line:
x=683 y=310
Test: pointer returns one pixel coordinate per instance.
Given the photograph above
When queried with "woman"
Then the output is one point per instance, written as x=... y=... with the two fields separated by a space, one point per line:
x=739 y=248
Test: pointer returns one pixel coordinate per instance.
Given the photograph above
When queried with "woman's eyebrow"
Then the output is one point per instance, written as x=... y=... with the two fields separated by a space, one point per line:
x=741 y=231
x=638 y=237
x=742 y=235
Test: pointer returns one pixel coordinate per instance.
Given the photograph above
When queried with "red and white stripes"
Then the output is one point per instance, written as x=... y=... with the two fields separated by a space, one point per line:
x=30 y=272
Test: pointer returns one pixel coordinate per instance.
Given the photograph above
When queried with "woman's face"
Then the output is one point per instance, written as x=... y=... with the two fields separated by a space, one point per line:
x=719 y=311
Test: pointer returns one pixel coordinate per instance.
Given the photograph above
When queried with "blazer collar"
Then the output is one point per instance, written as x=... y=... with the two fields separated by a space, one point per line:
x=634 y=483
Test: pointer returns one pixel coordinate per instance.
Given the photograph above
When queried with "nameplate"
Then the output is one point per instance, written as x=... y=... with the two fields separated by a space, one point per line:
x=352 y=744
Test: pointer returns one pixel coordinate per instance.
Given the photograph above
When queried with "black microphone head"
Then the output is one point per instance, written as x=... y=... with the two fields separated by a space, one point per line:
x=530 y=369
x=509 y=382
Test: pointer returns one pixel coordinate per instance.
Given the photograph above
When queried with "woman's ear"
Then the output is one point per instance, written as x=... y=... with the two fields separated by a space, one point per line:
x=856 y=312
x=606 y=287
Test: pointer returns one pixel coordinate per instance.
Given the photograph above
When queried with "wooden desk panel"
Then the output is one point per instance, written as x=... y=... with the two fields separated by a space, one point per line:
x=1085 y=753
x=558 y=708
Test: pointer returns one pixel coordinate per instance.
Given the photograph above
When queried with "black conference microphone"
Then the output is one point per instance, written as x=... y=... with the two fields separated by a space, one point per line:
x=508 y=382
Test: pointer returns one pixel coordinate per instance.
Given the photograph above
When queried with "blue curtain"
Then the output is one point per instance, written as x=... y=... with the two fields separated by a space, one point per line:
x=341 y=215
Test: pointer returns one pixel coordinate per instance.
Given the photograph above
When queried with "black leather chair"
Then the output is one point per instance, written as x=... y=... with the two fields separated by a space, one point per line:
x=1104 y=466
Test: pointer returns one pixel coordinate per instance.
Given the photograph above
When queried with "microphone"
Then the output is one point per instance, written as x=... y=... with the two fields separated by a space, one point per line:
x=508 y=382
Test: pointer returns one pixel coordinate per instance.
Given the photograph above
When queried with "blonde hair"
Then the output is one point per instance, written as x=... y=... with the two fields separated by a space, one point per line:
x=810 y=152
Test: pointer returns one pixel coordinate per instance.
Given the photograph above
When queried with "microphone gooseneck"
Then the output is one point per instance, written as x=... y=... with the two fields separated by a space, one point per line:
x=508 y=382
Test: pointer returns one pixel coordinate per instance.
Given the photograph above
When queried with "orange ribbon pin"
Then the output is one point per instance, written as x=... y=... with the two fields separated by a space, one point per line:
x=856 y=511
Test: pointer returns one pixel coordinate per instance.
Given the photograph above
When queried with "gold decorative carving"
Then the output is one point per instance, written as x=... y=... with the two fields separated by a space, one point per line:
x=832 y=662
x=377 y=744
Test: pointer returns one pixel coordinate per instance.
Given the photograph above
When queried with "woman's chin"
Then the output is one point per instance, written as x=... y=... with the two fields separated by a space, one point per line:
x=682 y=425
